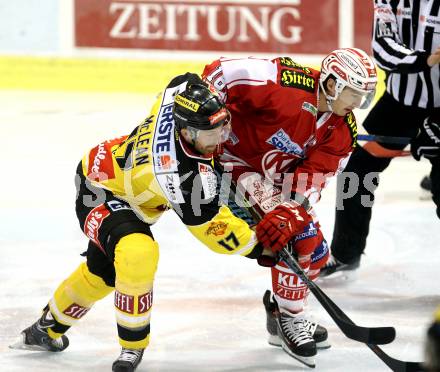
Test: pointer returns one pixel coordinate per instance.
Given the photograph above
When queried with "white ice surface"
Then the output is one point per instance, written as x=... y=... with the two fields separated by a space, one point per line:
x=208 y=314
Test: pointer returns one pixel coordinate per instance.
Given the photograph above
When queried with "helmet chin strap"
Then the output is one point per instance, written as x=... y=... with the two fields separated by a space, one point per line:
x=329 y=102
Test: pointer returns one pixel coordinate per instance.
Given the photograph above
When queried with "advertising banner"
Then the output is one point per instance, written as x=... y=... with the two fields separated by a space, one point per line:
x=284 y=27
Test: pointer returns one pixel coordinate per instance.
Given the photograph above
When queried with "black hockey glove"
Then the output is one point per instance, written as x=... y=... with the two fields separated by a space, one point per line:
x=427 y=142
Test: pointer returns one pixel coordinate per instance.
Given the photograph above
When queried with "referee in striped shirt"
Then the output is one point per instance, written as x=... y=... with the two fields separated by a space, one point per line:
x=406 y=44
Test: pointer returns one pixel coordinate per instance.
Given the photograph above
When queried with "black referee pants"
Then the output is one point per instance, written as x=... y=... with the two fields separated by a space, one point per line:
x=387 y=118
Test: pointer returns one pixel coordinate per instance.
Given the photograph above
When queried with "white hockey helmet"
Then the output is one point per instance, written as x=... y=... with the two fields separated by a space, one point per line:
x=353 y=68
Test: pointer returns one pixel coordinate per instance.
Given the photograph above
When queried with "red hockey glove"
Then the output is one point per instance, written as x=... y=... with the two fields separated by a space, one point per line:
x=306 y=241
x=279 y=226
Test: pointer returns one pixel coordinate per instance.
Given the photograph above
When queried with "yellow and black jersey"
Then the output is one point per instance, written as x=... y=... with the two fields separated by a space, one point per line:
x=153 y=169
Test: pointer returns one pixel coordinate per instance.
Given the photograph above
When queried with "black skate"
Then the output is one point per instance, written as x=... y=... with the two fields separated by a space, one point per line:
x=333 y=266
x=299 y=337
x=128 y=360
x=426 y=186
x=36 y=337
x=426 y=183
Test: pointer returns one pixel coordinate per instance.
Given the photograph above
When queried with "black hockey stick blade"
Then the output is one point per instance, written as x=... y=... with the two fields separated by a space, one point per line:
x=396 y=365
x=367 y=335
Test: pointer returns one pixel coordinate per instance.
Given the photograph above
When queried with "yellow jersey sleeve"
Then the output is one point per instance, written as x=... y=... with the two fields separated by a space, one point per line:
x=227 y=234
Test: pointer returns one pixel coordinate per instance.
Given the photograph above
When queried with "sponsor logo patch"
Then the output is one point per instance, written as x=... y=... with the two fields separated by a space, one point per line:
x=216 y=228
x=288 y=62
x=233 y=139
x=282 y=142
x=288 y=286
x=209 y=180
x=383 y=29
x=116 y=205
x=350 y=120
x=124 y=302
x=170 y=184
x=320 y=252
x=182 y=101
x=100 y=163
x=164 y=148
x=76 y=311
x=296 y=79
x=309 y=232
x=406 y=12
x=164 y=162
x=145 y=302
x=307 y=106
x=219 y=115
x=93 y=222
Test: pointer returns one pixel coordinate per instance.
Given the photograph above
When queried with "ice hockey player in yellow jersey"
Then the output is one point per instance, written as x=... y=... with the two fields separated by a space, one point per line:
x=123 y=186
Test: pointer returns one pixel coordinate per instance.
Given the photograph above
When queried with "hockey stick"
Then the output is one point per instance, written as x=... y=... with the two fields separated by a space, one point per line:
x=368 y=333
x=376 y=149
x=377 y=335
x=384 y=139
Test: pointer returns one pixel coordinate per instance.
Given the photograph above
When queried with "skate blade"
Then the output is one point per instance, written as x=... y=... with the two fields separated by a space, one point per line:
x=19 y=344
x=274 y=340
x=323 y=345
x=339 y=277
x=307 y=361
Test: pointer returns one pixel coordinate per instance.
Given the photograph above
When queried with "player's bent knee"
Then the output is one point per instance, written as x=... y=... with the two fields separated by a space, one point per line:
x=93 y=285
x=136 y=258
x=82 y=287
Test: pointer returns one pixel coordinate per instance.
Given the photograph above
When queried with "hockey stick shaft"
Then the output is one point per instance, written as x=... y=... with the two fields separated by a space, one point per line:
x=394 y=364
x=384 y=139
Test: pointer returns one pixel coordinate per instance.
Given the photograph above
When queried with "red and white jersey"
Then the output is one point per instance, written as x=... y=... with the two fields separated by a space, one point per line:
x=276 y=127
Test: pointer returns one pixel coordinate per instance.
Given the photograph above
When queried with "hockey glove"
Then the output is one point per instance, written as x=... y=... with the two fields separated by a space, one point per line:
x=282 y=224
x=306 y=241
x=427 y=142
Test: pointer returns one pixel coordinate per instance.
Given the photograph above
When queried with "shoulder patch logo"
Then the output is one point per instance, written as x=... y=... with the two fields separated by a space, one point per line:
x=296 y=79
x=307 y=106
x=350 y=120
x=288 y=62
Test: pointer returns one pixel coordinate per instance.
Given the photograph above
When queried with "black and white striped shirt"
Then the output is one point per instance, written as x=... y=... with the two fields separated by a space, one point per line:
x=406 y=32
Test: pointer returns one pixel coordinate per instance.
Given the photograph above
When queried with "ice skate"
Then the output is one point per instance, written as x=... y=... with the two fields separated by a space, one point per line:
x=298 y=336
x=128 y=360
x=36 y=337
x=337 y=269
x=426 y=186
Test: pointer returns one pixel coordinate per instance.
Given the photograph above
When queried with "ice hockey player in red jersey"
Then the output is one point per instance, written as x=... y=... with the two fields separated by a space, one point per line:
x=292 y=129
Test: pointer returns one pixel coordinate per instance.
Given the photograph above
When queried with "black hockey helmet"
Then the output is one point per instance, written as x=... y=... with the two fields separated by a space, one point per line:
x=199 y=106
